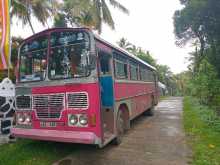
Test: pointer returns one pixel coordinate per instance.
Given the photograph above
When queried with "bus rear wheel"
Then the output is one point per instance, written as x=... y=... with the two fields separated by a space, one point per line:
x=120 y=126
x=149 y=112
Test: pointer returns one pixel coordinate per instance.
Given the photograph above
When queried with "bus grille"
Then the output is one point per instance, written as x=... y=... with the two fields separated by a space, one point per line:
x=48 y=106
x=77 y=100
x=23 y=102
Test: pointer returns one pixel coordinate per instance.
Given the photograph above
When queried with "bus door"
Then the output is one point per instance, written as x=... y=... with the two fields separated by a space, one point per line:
x=107 y=95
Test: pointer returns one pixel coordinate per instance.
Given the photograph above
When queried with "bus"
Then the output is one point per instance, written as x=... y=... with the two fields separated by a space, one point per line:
x=72 y=86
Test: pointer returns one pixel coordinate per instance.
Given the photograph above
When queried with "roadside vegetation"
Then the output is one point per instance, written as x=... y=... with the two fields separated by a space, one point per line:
x=24 y=152
x=202 y=126
x=197 y=23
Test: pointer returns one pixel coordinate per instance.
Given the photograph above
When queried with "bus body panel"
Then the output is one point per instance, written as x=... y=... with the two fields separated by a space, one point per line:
x=93 y=108
x=62 y=123
x=138 y=95
x=57 y=135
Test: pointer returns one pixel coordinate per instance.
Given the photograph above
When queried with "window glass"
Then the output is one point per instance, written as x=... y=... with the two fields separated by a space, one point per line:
x=121 y=67
x=33 y=57
x=134 y=72
x=151 y=76
x=121 y=70
x=143 y=74
x=105 y=64
x=69 y=55
x=146 y=74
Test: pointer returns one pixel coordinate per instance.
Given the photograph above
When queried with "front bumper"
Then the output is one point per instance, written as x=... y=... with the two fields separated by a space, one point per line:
x=57 y=135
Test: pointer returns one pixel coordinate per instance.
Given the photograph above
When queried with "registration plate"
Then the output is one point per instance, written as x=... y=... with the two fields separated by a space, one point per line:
x=48 y=124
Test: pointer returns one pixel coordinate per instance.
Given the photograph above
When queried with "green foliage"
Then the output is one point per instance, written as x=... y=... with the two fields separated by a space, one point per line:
x=204 y=84
x=183 y=83
x=24 y=10
x=91 y=13
x=25 y=152
x=60 y=20
x=137 y=51
x=123 y=43
x=145 y=56
x=163 y=71
x=203 y=129
x=199 y=22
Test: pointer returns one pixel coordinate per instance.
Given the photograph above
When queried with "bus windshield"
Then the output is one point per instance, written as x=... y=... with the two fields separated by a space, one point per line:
x=59 y=55
x=33 y=55
x=68 y=56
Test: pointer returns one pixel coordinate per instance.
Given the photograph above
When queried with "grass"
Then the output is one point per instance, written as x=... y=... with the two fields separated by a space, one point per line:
x=28 y=152
x=163 y=98
x=203 y=129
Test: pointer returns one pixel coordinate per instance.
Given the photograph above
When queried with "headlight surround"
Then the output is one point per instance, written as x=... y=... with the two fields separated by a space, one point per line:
x=83 y=120
x=24 y=118
x=77 y=120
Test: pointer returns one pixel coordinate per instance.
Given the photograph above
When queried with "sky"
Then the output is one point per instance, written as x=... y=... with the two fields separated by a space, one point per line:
x=149 y=25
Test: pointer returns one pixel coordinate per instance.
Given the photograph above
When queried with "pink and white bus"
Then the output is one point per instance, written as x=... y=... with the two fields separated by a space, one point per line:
x=74 y=87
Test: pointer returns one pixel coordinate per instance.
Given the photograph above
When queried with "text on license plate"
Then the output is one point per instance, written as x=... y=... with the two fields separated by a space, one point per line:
x=48 y=124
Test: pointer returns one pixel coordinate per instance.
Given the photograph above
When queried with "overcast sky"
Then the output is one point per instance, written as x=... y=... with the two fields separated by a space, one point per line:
x=149 y=25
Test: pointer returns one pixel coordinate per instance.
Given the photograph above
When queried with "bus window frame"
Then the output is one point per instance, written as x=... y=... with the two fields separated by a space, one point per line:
x=134 y=65
x=116 y=59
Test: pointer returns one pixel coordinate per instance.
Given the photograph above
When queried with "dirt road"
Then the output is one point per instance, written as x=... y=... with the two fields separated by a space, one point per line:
x=157 y=140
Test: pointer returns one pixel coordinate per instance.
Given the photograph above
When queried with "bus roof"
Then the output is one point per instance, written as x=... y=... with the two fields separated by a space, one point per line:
x=100 y=39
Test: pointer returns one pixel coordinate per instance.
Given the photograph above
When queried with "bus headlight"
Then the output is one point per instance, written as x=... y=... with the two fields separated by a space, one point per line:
x=28 y=119
x=24 y=118
x=20 y=118
x=83 y=120
x=72 y=119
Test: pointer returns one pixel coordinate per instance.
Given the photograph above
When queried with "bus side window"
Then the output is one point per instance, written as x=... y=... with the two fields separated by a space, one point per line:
x=120 y=66
x=104 y=64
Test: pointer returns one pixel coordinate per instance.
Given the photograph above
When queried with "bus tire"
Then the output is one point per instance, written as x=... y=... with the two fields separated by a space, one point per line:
x=149 y=112
x=120 y=128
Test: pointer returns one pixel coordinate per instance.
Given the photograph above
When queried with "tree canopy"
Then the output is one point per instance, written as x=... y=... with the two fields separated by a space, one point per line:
x=24 y=10
x=91 y=13
x=198 y=22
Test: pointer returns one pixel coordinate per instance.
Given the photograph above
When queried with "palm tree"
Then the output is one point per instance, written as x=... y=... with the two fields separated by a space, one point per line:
x=123 y=43
x=79 y=12
x=103 y=14
x=40 y=9
x=92 y=13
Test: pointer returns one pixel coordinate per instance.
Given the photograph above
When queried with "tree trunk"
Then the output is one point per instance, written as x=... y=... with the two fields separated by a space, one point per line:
x=30 y=24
